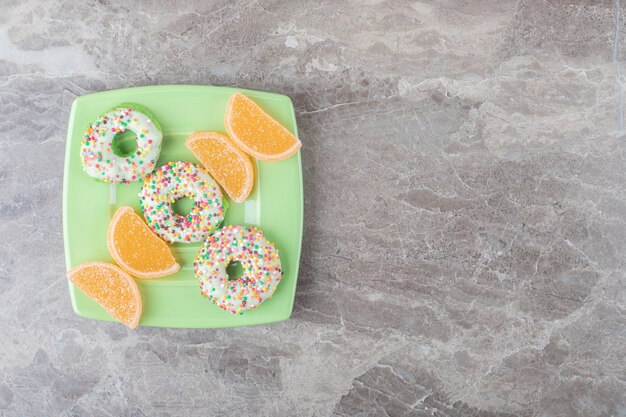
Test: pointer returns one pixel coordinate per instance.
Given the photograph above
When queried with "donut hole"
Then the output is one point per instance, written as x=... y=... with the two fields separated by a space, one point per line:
x=183 y=206
x=124 y=144
x=234 y=271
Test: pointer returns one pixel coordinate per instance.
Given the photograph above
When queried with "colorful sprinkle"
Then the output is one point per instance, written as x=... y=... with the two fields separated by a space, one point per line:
x=171 y=182
x=261 y=275
x=99 y=136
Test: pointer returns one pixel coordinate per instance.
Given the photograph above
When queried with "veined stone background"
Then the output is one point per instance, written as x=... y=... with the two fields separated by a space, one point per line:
x=464 y=166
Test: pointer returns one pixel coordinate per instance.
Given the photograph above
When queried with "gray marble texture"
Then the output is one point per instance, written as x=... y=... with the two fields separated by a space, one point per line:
x=464 y=166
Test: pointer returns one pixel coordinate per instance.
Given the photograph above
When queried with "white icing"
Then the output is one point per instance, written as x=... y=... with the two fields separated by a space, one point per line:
x=98 y=158
x=171 y=182
x=258 y=258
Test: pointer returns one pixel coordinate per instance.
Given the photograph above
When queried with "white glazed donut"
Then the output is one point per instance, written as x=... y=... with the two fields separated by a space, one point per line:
x=176 y=180
x=99 y=154
x=258 y=258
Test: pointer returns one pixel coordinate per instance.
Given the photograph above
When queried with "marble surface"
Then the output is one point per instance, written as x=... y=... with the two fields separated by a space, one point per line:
x=465 y=208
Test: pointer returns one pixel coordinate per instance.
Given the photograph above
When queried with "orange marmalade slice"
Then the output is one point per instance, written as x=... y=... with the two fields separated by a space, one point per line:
x=110 y=287
x=256 y=132
x=228 y=164
x=136 y=249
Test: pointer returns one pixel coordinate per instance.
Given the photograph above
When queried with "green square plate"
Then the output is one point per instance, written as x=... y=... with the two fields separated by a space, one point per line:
x=275 y=204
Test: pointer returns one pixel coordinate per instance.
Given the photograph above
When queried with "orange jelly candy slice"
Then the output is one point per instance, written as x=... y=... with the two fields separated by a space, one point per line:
x=110 y=287
x=228 y=164
x=256 y=132
x=136 y=248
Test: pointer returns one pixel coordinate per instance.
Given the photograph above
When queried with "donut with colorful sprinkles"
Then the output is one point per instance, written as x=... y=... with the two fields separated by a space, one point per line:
x=258 y=258
x=101 y=153
x=171 y=182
